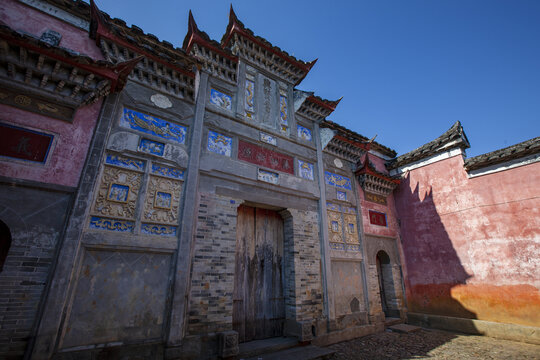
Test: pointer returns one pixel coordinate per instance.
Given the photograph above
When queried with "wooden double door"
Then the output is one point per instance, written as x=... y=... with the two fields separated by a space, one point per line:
x=258 y=302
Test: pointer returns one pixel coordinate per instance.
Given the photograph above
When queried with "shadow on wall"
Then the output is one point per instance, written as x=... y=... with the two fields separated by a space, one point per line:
x=433 y=266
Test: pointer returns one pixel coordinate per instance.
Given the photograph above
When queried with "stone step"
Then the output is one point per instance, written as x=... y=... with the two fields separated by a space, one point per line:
x=404 y=328
x=253 y=348
x=309 y=352
x=389 y=321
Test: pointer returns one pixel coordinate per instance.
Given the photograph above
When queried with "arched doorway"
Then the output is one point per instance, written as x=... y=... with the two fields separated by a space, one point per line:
x=386 y=285
x=5 y=243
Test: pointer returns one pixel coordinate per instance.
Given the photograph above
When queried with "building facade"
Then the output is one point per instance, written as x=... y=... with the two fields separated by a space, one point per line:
x=177 y=202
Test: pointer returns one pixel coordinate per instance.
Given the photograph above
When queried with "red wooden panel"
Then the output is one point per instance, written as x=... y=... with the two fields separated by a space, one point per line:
x=265 y=157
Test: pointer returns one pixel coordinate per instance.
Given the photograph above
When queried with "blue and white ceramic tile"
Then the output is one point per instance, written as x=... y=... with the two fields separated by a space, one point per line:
x=168 y=172
x=118 y=193
x=350 y=228
x=110 y=224
x=124 y=162
x=305 y=170
x=342 y=195
x=220 y=99
x=161 y=230
x=269 y=139
x=267 y=176
x=335 y=226
x=284 y=119
x=220 y=144
x=303 y=133
x=337 y=180
x=153 y=126
x=333 y=207
x=152 y=147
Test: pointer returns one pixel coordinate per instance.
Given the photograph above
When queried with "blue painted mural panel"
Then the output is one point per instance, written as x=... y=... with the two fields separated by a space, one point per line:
x=219 y=144
x=152 y=147
x=153 y=126
x=303 y=133
x=337 y=180
x=124 y=162
x=168 y=172
x=111 y=224
x=161 y=230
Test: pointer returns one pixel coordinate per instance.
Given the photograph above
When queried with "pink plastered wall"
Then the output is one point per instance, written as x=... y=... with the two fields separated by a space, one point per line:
x=68 y=153
x=23 y=17
x=472 y=245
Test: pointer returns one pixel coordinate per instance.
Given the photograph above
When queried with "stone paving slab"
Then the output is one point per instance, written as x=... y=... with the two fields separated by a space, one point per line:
x=404 y=328
x=432 y=344
x=298 y=353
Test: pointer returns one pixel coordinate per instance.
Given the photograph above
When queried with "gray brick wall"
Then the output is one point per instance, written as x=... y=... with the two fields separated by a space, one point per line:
x=35 y=218
x=302 y=254
x=212 y=272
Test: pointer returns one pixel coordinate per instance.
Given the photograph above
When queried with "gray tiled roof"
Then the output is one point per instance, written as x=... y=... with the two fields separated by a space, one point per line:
x=513 y=152
x=455 y=136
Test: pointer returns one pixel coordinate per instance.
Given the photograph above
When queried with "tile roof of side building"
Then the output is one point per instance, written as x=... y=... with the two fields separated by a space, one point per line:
x=455 y=138
x=516 y=151
x=452 y=138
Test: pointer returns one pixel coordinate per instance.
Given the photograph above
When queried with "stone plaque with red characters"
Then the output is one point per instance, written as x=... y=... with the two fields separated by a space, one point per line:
x=25 y=144
x=265 y=157
x=377 y=218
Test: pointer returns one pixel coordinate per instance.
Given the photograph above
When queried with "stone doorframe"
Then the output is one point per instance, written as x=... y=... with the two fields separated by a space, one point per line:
x=213 y=262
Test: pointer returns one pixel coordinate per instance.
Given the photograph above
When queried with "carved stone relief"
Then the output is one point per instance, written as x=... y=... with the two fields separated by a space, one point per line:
x=118 y=192
x=162 y=200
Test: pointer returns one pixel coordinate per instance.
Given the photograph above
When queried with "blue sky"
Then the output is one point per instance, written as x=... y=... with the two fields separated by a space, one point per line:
x=407 y=69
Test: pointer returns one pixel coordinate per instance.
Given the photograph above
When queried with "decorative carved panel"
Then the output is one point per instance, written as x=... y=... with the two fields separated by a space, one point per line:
x=117 y=193
x=162 y=200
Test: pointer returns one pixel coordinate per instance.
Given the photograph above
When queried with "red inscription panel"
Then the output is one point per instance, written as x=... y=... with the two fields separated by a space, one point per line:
x=265 y=157
x=377 y=218
x=24 y=144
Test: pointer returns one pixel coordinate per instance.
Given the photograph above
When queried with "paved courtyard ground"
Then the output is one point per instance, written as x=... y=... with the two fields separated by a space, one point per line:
x=432 y=344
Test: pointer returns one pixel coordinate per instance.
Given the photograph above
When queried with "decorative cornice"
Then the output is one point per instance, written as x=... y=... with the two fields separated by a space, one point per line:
x=244 y=43
x=163 y=67
x=374 y=181
x=356 y=139
x=219 y=62
x=52 y=80
x=316 y=108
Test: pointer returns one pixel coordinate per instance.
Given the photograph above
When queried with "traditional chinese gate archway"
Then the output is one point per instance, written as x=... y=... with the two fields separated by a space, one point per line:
x=258 y=306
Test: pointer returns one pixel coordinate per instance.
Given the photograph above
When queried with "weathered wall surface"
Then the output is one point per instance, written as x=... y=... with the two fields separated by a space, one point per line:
x=35 y=218
x=22 y=17
x=472 y=246
x=68 y=151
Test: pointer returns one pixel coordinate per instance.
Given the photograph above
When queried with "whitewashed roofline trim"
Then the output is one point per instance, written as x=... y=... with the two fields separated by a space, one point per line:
x=507 y=165
x=58 y=13
x=430 y=160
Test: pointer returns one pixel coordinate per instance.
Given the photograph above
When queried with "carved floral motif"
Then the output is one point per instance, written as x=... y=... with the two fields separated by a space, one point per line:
x=162 y=200
x=107 y=202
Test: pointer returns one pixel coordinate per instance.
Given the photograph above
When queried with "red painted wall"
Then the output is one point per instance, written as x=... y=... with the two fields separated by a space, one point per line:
x=472 y=246
x=391 y=230
x=22 y=17
x=66 y=156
